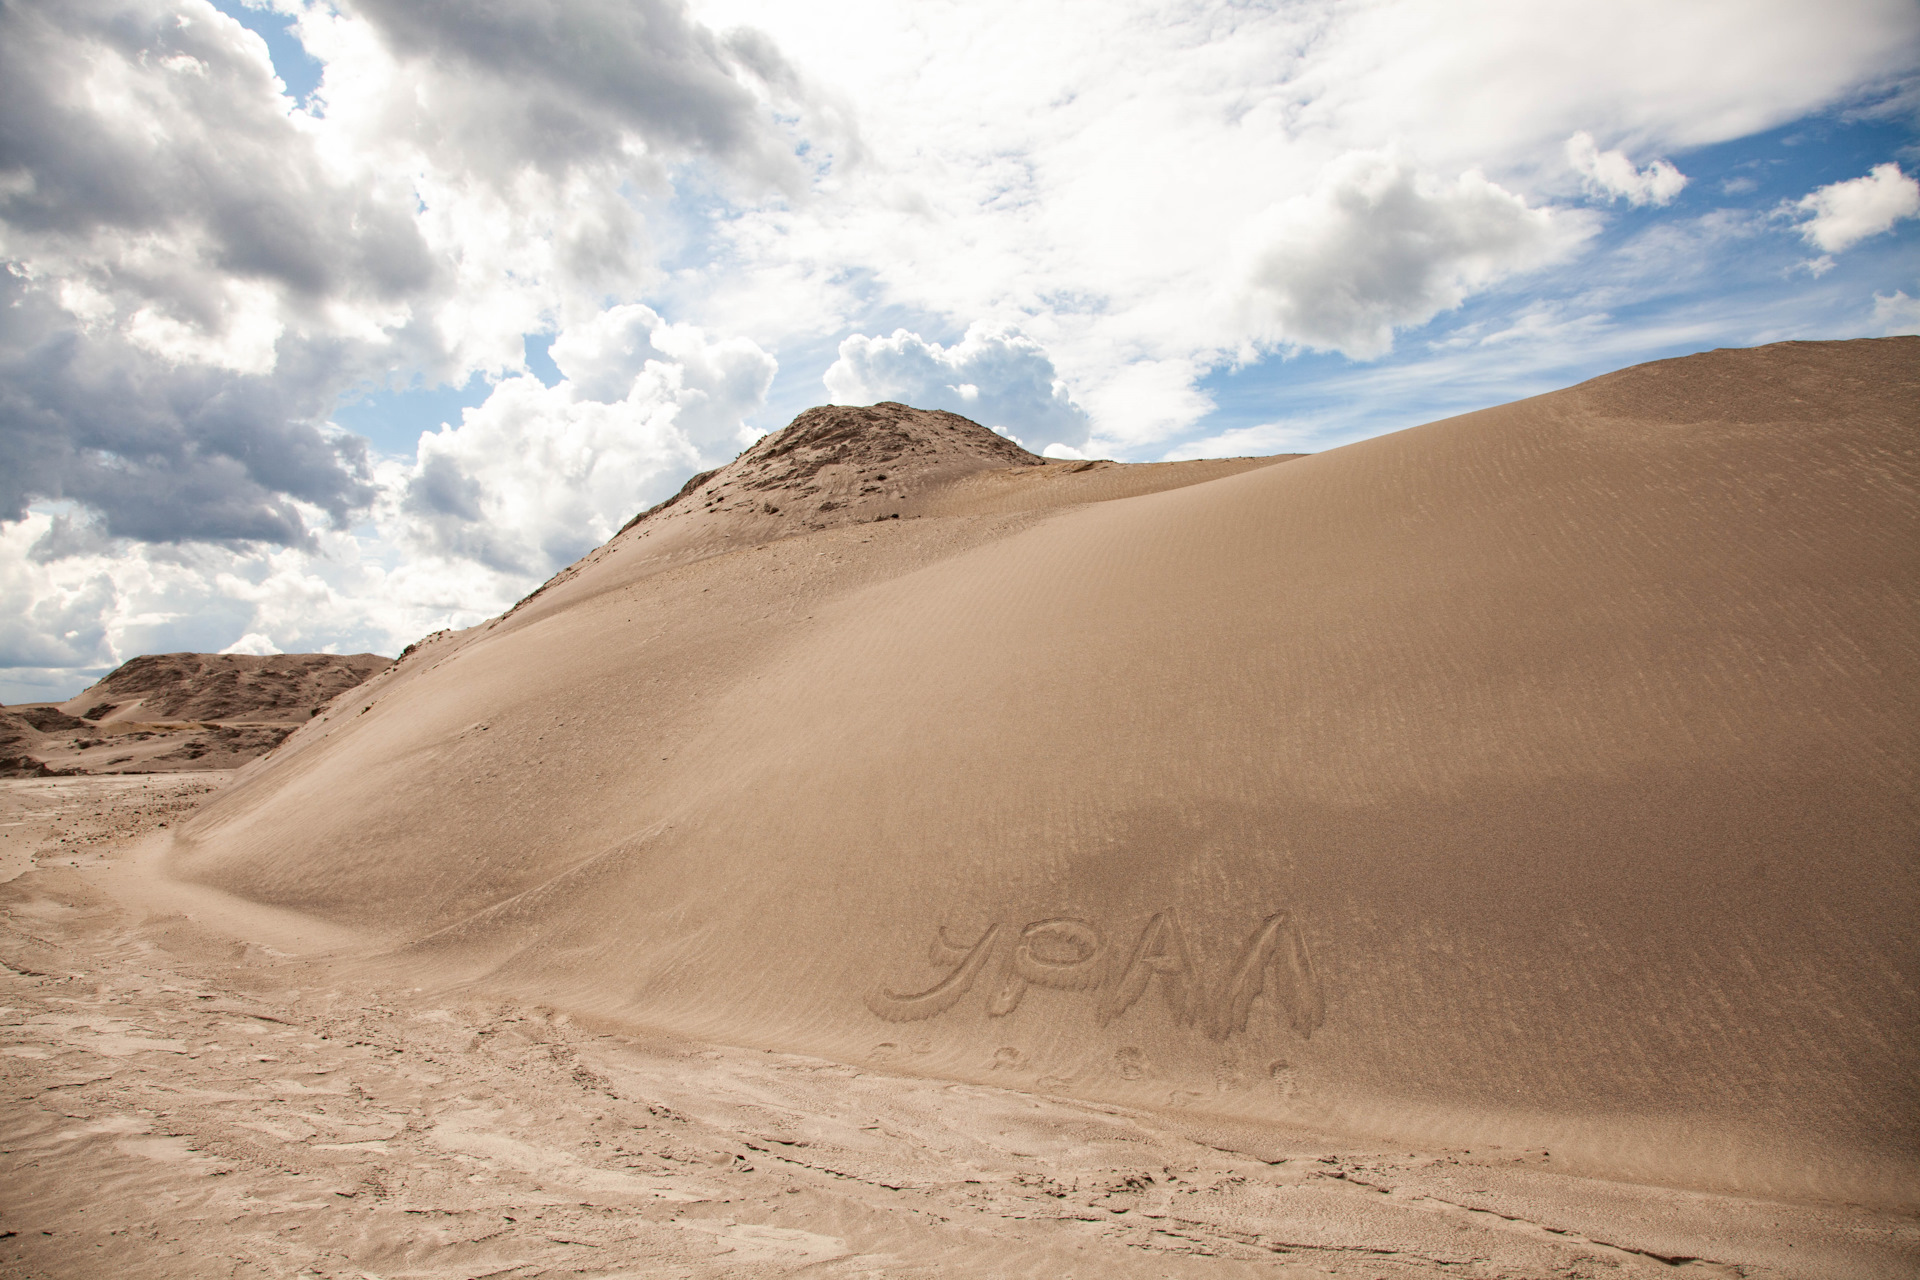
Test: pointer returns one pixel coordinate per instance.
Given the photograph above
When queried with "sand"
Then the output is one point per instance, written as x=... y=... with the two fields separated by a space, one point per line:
x=1538 y=782
x=178 y=712
x=183 y=1101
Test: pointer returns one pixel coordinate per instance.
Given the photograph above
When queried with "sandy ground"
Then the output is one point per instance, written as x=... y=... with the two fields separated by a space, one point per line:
x=1538 y=778
x=180 y=1103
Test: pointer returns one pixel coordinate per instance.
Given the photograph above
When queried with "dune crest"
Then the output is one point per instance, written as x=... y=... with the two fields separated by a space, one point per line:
x=1544 y=775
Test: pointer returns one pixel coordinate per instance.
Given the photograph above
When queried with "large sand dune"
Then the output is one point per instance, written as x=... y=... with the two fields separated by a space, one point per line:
x=1542 y=776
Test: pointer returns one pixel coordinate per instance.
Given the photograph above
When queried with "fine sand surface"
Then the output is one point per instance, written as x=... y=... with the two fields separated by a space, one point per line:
x=182 y=1102
x=1538 y=782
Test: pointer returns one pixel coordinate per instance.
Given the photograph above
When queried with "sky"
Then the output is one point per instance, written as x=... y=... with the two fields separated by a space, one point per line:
x=331 y=323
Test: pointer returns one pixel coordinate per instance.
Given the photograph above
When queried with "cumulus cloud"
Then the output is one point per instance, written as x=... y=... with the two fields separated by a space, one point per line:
x=536 y=476
x=52 y=620
x=1895 y=313
x=1613 y=175
x=1085 y=177
x=151 y=155
x=253 y=644
x=999 y=379
x=195 y=269
x=1378 y=246
x=555 y=85
x=1842 y=214
x=162 y=222
x=1146 y=401
x=164 y=452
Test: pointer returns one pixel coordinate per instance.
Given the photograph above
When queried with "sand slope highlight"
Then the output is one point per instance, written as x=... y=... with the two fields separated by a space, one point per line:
x=1540 y=776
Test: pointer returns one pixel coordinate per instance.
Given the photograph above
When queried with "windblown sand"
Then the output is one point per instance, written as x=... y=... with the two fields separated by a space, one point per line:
x=1531 y=792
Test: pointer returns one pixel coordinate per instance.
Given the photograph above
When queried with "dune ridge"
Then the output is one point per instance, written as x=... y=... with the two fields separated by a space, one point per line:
x=1543 y=775
x=172 y=712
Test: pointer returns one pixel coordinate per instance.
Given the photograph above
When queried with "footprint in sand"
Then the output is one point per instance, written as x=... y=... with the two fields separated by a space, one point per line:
x=1286 y=1080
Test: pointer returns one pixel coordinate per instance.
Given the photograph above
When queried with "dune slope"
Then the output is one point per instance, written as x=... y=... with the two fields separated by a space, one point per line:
x=1541 y=776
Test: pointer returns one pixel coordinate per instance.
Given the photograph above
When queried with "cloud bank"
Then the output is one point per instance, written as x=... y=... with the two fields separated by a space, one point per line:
x=196 y=271
x=709 y=214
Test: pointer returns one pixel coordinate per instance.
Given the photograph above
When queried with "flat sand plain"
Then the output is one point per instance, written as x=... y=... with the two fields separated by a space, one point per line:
x=1526 y=798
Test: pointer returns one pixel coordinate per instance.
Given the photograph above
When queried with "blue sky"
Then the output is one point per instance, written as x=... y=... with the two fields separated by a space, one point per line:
x=1748 y=290
x=334 y=359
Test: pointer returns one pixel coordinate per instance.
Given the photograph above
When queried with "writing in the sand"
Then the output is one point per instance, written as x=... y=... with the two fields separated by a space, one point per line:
x=1067 y=954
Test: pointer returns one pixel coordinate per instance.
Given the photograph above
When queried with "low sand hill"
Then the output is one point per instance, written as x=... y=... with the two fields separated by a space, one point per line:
x=1543 y=776
x=238 y=688
x=179 y=711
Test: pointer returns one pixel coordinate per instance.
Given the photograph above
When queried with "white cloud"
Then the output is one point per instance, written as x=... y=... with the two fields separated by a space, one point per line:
x=1896 y=313
x=1508 y=75
x=255 y=644
x=51 y=620
x=1083 y=172
x=1612 y=174
x=1845 y=213
x=196 y=268
x=243 y=336
x=169 y=238
x=1145 y=401
x=1001 y=380
x=1377 y=246
x=536 y=476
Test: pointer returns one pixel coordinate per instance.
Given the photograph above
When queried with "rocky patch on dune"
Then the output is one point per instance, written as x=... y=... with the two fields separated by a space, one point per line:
x=833 y=465
x=837 y=464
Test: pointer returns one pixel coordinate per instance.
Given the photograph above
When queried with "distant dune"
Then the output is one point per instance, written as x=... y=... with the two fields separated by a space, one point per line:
x=179 y=711
x=1542 y=777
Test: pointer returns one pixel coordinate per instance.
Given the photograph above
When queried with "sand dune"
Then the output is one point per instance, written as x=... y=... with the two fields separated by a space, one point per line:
x=237 y=688
x=1541 y=776
x=174 y=712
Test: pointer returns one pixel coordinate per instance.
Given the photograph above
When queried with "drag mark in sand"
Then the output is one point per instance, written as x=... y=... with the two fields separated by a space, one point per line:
x=1069 y=954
